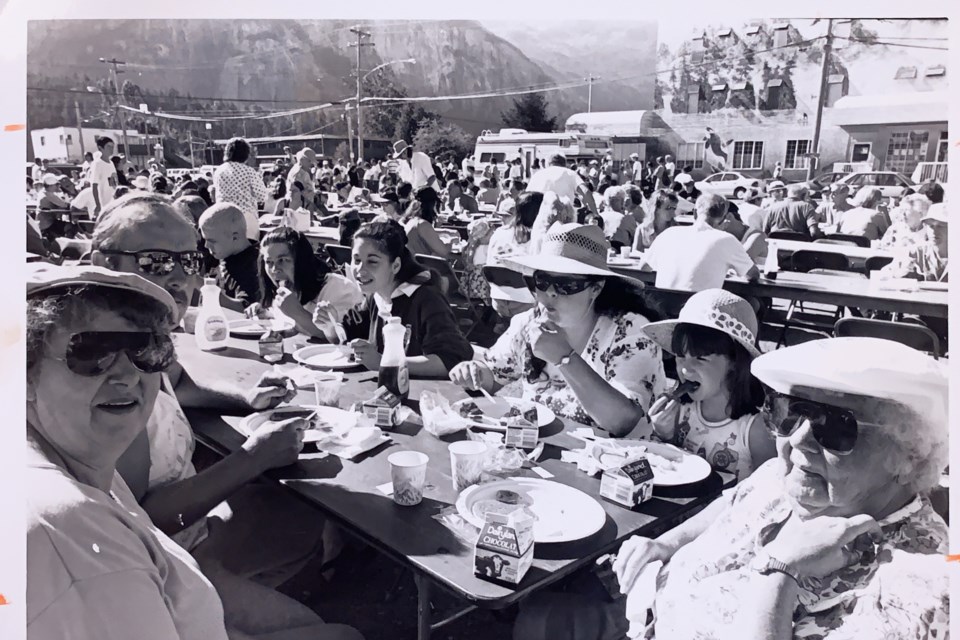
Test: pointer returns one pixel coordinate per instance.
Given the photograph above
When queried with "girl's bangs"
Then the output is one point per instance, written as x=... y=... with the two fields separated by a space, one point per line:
x=696 y=341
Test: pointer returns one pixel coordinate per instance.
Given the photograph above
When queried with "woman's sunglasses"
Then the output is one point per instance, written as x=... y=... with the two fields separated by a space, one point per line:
x=567 y=285
x=92 y=353
x=834 y=428
x=160 y=262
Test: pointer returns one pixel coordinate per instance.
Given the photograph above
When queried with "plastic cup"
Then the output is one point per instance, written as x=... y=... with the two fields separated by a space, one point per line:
x=466 y=463
x=408 y=470
x=625 y=251
x=190 y=319
x=326 y=387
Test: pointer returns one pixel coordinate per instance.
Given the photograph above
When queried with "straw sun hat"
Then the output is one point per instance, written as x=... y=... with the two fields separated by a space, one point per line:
x=716 y=309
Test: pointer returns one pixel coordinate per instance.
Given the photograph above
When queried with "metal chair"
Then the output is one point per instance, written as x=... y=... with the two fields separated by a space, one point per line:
x=450 y=285
x=339 y=254
x=860 y=241
x=789 y=235
x=504 y=277
x=815 y=262
x=916 y=336
x=875 y=263
x=805 y=261
x=846 y=243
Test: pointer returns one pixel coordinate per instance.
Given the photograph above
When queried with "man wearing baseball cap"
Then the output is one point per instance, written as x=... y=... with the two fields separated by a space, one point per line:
x=834 y=204
x=301 y=172
x=688 y=189
x=793 y=214
x=414 y=167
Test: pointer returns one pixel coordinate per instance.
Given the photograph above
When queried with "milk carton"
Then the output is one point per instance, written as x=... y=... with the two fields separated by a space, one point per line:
x=521 y=433
x=504 y=550
x=629 y=483
x=383 y=408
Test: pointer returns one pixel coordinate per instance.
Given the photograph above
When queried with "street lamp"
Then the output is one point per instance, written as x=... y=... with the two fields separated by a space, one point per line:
x=387 y=64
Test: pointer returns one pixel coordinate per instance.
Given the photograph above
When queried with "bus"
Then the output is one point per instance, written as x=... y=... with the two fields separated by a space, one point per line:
x=503 y=147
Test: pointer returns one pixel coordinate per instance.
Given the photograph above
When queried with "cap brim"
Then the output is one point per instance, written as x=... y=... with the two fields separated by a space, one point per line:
x=560 y=264
x=662 y=333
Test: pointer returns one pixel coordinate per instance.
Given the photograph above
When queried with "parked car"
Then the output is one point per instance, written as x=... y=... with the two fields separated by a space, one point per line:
x=729 y=184
x=890 y=183
x=824 y=180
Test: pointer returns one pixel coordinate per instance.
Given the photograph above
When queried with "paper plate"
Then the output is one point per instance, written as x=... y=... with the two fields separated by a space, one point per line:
x=330 y=422
x=500 y=407
x=673 y=466
x=563 y=513
x=255 y=327
x=324 y=356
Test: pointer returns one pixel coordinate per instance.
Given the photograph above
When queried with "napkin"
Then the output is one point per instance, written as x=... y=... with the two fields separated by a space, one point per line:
x=301 y=376
x=348 y=452
x=641 y=597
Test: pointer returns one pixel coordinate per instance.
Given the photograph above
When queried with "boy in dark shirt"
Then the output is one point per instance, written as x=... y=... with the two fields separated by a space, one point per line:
x=224 y=232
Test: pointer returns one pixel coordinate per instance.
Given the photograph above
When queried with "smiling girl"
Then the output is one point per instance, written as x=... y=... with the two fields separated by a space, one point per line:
x=397 y=285
x=294 y=284
x=714 y=412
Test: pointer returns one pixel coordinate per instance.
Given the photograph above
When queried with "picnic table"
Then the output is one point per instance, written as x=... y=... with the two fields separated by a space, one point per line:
x=931 y=299
x=346 y=490
x=856 y=255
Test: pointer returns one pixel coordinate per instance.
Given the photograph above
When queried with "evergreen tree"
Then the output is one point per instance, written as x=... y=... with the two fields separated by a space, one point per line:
x=439 y=139
x=529 y=112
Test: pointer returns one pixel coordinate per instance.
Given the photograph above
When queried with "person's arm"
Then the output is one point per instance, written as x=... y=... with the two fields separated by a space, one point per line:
x=216 y=395
x=432 y=239
x=763 y=447
x=441 y=341
x=234 y=304
x=609 y=408
x=740 y=262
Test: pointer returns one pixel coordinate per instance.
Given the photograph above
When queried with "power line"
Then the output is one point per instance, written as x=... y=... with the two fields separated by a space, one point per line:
x=893 y=44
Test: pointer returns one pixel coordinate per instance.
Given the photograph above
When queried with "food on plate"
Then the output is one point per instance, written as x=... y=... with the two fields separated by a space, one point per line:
x=505 y=502
x=470 y=410
x=508 y=497
x=288 y=414
x=530 y=415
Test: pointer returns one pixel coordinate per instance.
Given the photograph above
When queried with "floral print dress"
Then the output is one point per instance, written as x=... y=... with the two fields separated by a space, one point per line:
x=474 y=285
x=618 y=350
x=898 y=590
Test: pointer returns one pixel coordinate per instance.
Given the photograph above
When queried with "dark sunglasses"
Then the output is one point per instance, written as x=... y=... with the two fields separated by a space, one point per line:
x=834 y=428
x=564 y=285
x=91 y=353
x=159 y=262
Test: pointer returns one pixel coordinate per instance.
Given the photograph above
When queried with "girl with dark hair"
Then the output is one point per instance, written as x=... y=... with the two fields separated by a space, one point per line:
x=418 y=225
x=397 y=285
x=295 y=285
x=295 y=199
x=715 y=411
x=276 y=193
x=662 y=216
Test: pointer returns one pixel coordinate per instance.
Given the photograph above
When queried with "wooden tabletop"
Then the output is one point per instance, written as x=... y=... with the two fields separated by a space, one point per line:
x=859 y=293
x=346 y=490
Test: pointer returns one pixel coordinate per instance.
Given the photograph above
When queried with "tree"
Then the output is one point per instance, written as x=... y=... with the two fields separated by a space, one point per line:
x=412 y=117
x=438 y=139
x=529 y=112
x=788 y=97
x=343 y=151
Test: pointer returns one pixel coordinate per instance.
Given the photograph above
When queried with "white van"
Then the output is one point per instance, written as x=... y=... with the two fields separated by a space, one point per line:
x=503 y=147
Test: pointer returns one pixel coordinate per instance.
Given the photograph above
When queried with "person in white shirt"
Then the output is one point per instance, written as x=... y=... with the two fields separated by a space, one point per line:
x=697 y=257
x=85 y=167
x=84 y=200
x=415 y=166
x=566 y=183
x=36 y=171
x=103 y=175
x=670 y=167
x=240 y=184
x=636 y=168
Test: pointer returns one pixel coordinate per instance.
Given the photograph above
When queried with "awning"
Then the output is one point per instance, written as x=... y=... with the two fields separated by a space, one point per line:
x=617 y=123
x=899 y=108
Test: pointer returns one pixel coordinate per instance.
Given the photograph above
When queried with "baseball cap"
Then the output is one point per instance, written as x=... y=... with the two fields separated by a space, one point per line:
x=50 y=180
x=776 y=184
x=684 y=178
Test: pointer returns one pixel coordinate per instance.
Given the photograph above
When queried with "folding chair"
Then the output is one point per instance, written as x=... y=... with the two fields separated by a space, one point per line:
x=450 y=285
x=860 y=241
x=339 y=254
x=789 y=235
x=875 y=263
x=815 y=262
x=916 y=336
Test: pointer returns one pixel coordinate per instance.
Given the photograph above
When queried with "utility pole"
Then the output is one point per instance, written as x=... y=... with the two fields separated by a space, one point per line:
x=821 y=99
x=360 y=45
x=193 y=163
x=76 y=105
x=346 y=114
x=116 y=87
x=589 y=82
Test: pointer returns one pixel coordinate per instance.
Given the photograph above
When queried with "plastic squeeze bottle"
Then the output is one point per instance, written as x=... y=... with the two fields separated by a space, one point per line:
x=393 y=372
x=211 y=330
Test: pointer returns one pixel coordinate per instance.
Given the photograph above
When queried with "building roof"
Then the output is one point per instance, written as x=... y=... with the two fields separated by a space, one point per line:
x=615 y=123
x=936 y=70
x=724 y=32
x=752 y=31
x=738 y=86
x=775 y=82
x=318 y=136
x=835 y=78
x=906 y=73
x=719 y=87
x=899 y=108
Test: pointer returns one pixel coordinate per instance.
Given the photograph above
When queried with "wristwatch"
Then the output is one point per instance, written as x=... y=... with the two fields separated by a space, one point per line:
x=565 y=360
x=764 y=564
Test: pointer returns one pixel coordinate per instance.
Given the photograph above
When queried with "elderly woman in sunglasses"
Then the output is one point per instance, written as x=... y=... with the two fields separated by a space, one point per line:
x=582 y=350
x=97 y=342
x=835 y=538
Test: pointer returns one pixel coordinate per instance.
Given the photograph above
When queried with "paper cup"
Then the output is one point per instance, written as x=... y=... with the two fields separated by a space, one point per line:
x=625 y=251
x=326 y=387
x=466 y=463
x=190 y=319
x=408 y=470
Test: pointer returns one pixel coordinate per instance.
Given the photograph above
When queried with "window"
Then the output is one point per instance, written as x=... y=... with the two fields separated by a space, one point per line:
x=493 y=157
x=696 y=57
x=906 y=73
x=693 y=101
x=906 y=150
x=936 y=70
x=728 y=177
x=773 y=93
x=69 y=138
x=781 y=35
x=747 y=155
x=942 y=147
x=861 y=152
x=43 y=141
x=715 y=178
x=61 y=138
x=690 y=153
x=795 y=150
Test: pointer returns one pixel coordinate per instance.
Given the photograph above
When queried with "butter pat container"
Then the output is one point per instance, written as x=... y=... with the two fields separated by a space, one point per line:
x=523 y=435
x=504 y=550
x=383 y=408
x=628 y=484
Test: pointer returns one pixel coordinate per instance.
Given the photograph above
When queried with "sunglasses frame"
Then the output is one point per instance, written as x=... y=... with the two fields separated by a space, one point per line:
x=158 y=341
x=582 y=283
x=176 y=256
x=823 y=424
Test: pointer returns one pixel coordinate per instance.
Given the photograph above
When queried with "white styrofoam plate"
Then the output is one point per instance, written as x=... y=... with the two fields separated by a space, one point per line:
x=325 y=356
x=330 y=422
x=497 y=408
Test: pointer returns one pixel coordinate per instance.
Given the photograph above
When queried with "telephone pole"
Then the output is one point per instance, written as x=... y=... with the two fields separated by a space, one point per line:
x=76 y=105
x=821 y=100
x=589 y=82
x=360 y=45
x=116 y=87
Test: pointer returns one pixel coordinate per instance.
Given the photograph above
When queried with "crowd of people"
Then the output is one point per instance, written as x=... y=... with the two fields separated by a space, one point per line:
x=829 y=527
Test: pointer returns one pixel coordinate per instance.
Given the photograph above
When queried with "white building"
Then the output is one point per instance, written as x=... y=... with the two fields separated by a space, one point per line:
x=63 y=144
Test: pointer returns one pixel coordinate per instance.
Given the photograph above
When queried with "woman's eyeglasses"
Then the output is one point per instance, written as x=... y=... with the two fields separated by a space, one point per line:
x=834 y=428
x=566 y=285
x=91 y=353
x=160 y=262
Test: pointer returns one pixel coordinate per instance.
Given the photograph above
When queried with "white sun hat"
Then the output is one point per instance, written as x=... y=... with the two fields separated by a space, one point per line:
x=715 y=309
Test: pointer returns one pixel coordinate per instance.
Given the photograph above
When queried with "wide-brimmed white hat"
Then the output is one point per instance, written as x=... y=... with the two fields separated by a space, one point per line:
x=684 y=178
x=399 y=148
x=576 y=249
x=716 y=309
x=776 y=184
x=937 y=211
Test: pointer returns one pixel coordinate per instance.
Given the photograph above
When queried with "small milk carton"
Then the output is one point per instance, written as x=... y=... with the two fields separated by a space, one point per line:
x=383 y=408
x=522 y=433
x=504 y=550
x=628 y=484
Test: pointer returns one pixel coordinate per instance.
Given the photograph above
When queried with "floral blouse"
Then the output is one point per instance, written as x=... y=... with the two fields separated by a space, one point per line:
x=901 y=236
x=898 y=590
x=618 y=350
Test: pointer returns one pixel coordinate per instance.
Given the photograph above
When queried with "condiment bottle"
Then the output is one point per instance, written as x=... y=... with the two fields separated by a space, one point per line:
x=393 y=372
x=211 y=330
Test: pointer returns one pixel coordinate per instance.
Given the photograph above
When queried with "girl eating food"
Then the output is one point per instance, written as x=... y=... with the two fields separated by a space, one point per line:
x=295 y=285
x=715 y=410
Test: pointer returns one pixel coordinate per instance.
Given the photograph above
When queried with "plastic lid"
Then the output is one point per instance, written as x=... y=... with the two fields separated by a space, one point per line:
x=393 y=320
x=207 y=281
